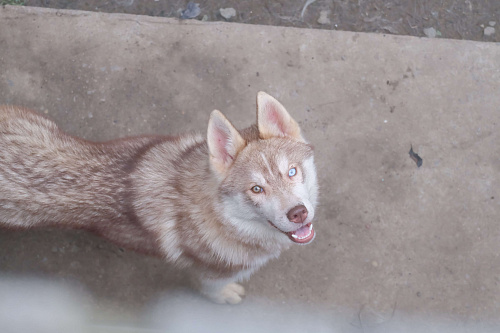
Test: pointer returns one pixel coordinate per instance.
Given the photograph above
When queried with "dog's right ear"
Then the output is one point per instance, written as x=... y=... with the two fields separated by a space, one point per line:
x=224 y=143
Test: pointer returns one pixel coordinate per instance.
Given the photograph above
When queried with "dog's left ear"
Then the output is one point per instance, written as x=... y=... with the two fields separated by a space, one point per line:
x=273 y=120
x=224 y=142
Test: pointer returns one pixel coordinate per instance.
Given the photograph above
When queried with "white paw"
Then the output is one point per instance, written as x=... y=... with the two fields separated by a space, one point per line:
x=232 y=293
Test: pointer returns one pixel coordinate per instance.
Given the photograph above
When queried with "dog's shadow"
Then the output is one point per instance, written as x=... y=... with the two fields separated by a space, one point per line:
x=106 y=271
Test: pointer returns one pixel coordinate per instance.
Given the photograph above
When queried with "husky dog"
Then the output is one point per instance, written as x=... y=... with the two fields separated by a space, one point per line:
x=220 y=206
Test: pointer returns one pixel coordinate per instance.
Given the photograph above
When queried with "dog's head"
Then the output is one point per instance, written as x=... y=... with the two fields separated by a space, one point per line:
x=266 y=174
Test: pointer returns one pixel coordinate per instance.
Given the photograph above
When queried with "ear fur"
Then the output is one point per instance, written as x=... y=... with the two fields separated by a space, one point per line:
x=224 y=142
x=273 y=120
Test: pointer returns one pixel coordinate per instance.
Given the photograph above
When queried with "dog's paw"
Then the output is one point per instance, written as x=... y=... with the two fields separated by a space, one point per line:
x=232 y=293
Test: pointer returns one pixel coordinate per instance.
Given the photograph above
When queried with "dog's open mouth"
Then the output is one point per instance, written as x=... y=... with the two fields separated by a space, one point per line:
x=302 y=235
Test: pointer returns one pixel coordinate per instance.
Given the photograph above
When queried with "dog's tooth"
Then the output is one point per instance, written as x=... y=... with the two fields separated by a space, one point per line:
x=295 y=236
x=310 y=227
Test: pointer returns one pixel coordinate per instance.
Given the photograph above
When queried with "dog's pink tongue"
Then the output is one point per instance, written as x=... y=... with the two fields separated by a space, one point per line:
x=302 y=235
x=302 y=232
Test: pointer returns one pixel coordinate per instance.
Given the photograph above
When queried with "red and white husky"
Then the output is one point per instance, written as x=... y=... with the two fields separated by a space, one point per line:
x=219 y=206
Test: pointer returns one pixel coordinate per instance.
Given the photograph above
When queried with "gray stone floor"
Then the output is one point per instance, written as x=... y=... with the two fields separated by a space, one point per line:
x=393 y=240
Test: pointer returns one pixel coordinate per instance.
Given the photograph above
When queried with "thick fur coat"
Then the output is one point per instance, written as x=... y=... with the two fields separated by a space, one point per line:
x=219 y=206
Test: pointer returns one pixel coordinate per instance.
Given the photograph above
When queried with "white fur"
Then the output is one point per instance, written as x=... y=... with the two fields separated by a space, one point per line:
x=266 y=164
x=311 y=180
x=248 y=219
x=283 y=165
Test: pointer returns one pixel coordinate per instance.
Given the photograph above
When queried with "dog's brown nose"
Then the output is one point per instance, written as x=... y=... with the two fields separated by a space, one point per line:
x=297 y=214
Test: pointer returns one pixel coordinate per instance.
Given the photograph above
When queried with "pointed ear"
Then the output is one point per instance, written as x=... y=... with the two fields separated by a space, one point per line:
x=224 y=142
x=273 y=120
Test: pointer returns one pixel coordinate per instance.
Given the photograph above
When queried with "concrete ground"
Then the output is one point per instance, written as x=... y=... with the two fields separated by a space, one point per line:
x=393 y=240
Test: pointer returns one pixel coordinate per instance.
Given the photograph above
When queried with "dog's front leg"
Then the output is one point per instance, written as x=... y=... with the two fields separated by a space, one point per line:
x=221 y=291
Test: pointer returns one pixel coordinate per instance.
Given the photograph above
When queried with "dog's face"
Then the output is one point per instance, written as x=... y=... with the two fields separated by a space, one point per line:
x=269 y=183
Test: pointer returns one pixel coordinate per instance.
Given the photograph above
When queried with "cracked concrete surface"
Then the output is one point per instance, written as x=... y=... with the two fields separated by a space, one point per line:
x=391 y=238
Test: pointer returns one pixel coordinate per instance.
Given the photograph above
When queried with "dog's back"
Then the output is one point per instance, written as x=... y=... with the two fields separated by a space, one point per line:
x=50 y=178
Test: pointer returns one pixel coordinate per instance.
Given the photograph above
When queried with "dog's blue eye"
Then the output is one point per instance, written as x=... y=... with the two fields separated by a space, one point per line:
x=292 y=172
x=257 y=189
